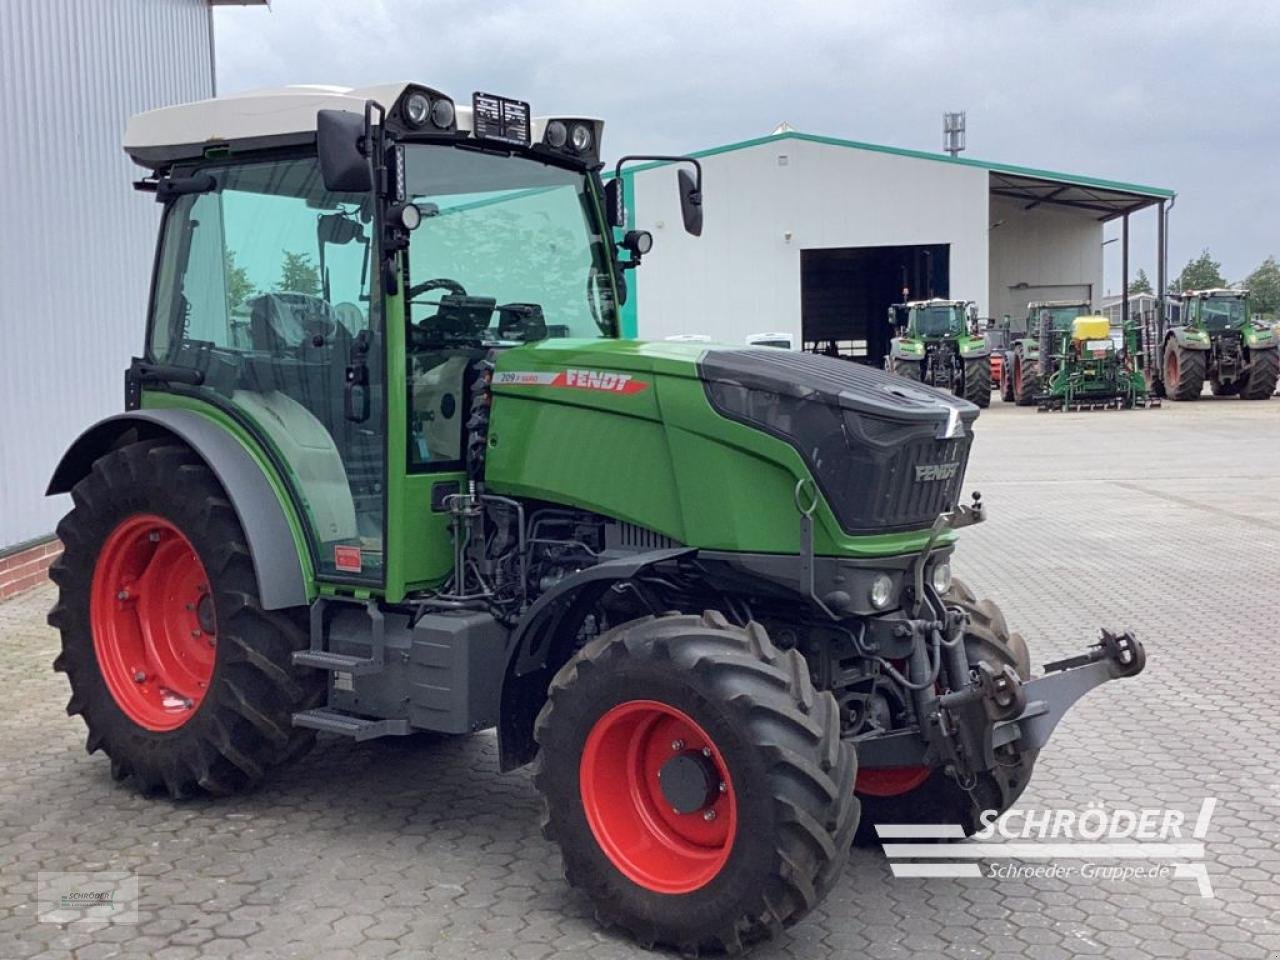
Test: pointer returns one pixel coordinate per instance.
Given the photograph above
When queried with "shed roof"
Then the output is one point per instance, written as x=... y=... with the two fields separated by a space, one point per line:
x=1107 y=198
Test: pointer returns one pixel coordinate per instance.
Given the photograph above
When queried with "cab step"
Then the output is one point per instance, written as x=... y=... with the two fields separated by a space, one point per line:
x=348 y=725
x=335 y=662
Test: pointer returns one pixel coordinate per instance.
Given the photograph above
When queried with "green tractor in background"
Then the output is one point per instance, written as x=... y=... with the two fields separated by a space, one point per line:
x=1210 y=334
x=1083 y=368
x=385 y=466
x=938 y=343
x=1022 y=369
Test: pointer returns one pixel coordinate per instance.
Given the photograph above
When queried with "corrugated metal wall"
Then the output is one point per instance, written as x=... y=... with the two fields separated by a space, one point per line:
x=76 y=241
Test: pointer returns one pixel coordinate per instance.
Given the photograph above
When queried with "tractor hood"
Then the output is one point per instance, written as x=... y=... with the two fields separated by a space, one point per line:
x=886 y=452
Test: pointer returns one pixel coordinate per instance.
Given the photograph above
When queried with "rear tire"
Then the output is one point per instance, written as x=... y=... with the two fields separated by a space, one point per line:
x=1006 y=379
x=977 y=381
x=788 y=809
x=1260 y=380
x=135 y=503
x=1183 y=372
x=939 y=799
x=911 y=369
x=1026 y=381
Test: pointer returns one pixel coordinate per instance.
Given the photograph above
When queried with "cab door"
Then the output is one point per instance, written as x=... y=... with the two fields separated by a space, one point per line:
x=263 y=284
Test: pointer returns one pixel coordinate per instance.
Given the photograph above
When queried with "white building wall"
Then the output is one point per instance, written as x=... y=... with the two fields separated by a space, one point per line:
x=78 y=240
x=742 y=275
x=1046 y=253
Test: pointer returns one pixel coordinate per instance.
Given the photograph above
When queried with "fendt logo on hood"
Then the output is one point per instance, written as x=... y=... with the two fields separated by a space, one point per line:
x=605 y=380
x=928 y=472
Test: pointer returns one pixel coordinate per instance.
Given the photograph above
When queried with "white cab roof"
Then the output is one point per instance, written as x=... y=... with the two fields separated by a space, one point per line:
x=279 y=111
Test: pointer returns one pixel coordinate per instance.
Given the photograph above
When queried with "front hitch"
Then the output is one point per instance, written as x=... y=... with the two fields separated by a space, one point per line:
x=1049 y=697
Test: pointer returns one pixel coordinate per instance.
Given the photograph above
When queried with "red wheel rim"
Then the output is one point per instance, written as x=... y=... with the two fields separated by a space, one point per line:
x=154 y=629
x=890 y=781
x=636 y=827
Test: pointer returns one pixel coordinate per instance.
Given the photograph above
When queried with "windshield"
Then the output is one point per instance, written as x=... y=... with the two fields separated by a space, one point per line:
x=507 y=250
x=1060 y=317
x=938 y=321
x=1220 y=314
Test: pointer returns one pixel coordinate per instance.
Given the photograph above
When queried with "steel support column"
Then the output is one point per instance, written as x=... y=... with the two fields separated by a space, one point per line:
x=1124 y=271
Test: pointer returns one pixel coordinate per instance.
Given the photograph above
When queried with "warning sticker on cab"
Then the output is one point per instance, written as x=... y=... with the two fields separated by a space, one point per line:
x=608 y=381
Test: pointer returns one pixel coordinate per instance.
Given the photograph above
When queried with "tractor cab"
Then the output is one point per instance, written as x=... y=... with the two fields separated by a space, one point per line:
x=337 y=269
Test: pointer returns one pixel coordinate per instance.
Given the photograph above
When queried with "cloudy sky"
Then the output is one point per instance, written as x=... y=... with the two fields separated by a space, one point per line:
x=1176 y=94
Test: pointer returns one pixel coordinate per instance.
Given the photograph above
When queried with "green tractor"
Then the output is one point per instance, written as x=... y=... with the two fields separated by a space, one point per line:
x=385 y=466
x=1023 y=372
x=1083 y=368
x=1210 y=334
x=938 y=343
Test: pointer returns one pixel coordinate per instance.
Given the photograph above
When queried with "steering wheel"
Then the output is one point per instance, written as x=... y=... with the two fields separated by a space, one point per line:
x=439 y=283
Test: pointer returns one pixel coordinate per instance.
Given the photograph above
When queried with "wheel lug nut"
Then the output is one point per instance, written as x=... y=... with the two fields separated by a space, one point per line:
x=122 y=595
x=195 y=633
x=139 y=677
x=724 y=788
x=154 y=536
x=191 y=606
x=212 y=642
x=709 y=815
x=706 y=751
x=677 y=745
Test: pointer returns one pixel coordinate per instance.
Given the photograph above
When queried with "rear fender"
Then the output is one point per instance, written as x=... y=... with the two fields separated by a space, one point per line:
x=262 y=513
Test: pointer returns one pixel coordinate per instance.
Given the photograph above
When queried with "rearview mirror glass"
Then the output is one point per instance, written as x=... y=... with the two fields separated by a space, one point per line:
x=343 y=165
x=690 y=202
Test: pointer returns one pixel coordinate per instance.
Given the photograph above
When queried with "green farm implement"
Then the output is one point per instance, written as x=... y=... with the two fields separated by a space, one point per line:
x=1083 y=368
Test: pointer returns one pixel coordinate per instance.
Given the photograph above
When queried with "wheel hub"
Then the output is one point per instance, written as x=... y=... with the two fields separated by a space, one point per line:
x=153 y=621
x=689 y=782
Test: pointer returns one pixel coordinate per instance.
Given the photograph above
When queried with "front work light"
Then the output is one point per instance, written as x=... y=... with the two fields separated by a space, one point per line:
x=940 y=577
x=881 y=593
x=417 y=109
x=442 y=113
x=581 y=137
x=557 y=134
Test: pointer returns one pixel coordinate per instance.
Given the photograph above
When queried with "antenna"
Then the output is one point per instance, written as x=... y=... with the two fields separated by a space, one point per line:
x=953 y=132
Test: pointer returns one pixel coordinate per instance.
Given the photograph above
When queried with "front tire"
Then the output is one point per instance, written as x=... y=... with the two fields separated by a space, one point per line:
x=181 y=677
x=1026 y=381
x=911 y=369
x=977 y=381
x=657 y=708
x=920 y=795
x=1260 y=380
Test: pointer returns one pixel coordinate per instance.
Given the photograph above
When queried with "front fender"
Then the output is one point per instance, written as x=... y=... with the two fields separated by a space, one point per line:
x=898 y=352
x=973 y=348
x=539 y=646
x=260 y=510
x=1189 y=339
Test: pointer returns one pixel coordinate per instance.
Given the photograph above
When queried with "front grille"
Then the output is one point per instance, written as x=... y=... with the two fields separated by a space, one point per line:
x=904 y=499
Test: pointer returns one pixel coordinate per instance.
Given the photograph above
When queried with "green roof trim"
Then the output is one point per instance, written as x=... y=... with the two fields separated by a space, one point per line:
x=1159 y=193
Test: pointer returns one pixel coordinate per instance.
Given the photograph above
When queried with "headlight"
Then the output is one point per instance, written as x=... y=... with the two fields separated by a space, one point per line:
x=557 y=134
x=417 y=109
x=881 y=593
x=581 y=137
x=940 y=577
x=442 y=113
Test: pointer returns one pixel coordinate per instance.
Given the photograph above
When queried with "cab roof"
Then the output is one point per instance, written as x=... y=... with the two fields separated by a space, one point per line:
x=266 y=117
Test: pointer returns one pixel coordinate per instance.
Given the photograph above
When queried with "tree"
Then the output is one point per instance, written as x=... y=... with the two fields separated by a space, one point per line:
x=298 y=275
x=1264 y=288
x=1140 y=283
x=239 y=287
x=1202 y=273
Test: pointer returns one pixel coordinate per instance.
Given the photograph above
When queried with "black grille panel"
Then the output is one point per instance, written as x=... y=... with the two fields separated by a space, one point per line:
x=885 y=459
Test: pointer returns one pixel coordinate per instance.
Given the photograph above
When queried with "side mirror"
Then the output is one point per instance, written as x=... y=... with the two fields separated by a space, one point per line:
x=690 y=202
x=340 y=139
